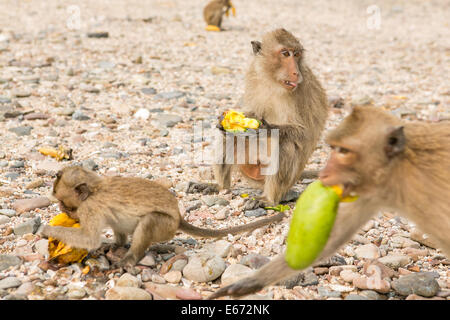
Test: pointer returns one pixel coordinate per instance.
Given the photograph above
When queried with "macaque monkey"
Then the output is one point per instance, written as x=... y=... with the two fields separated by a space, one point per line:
x=389 y=164
x=282 y=92
x=130 y=206
x=214 y=11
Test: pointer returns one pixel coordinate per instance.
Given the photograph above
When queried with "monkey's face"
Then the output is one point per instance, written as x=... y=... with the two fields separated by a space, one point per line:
x=71 y=187
x=280 y=55
x=364 y=148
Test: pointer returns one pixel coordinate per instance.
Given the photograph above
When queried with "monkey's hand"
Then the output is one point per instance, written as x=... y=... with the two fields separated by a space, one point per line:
x=240 y=288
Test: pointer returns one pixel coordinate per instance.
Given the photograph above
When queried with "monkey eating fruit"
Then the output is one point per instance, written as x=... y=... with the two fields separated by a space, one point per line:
x=214 y=11
x=390 y=165
x=130 y=206
x=283 y=94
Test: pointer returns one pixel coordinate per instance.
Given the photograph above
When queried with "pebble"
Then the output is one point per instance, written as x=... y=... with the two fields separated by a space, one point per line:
x=21 y=131
x=355 y=297
x=142 y=114
x=148 y=260
x=148 y=91
x=169 y=95
x=10 y=282
x=325 y=292
x=222 y=214
x=367 y=251
x=422 y=238
x=255 y=213
x=7 y=260
x=163 y=290
x=188 y=294
x=4 y=220
x=35 y=184
x=76 y=293
x=320 y=270
x=101 y=34
x=420 y=283
x=41 y=247
x=220 y=248
x=29 y=226
x=127 y=293
x=211 y=201
x=80 y=116
x=374 y=283
x=128 y=280
x=36 y=116
x=25 y=205
x=173 y=276
x=235 y=272
x=168 y=120
x=372 y=295
x=395 y=261
x=254 y=260
x=348 y=275
x=158 y=279
x=25 y=288
x=204 y=267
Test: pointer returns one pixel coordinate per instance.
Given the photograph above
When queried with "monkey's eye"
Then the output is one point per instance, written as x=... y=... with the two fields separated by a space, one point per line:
x=341 y=150
x=285 y=53
x=59 y=174
x=296 y=54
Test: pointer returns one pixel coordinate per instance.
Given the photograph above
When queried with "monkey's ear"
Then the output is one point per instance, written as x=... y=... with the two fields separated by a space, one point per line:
x=395 y=143
x=83 y=191
x=256 y=45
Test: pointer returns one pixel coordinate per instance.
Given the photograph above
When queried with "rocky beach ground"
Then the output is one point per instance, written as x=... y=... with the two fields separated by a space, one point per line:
x=125 y=84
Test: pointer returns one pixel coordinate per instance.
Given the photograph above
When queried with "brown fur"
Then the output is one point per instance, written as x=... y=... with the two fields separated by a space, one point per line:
x=214 y=11
x=410 y=174
x=299 y=114
x=130 y=206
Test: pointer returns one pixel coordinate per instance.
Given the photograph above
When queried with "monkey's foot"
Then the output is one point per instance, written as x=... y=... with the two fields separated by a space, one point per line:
x=205 y=188
x=240 y=288
x=212 y=28
x=256 y=202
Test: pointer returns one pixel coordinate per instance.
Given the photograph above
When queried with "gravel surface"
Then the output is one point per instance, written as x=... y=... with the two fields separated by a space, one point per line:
x=125 y=84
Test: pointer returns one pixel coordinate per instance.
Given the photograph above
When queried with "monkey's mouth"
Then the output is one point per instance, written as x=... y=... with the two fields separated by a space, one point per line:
x=290 y=85
x=348 y=190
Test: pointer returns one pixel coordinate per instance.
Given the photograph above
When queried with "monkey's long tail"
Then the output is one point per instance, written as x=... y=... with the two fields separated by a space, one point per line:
x=218 y=233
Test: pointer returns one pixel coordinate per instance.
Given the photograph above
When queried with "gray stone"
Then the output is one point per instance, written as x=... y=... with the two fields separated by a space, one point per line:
x=4 y=164
x=355 y=297
x=211 y=201
x=4 y=100
x=169 y=95
x=10 y=282
x=8 y=212
x=22 y=131
x=169 y=120
x=41 y=247
x=12 y=176
x=304 y=279
x=97 y=34
x=420 y=283
x=30 y=226
x=80 y=116
x=255 y=213
x=326 y=293
x=372 y=295
x=395 y=261
x=17 y=164
x=254 y=260
x=7 y=260
x=149 y=91
x=291 y=195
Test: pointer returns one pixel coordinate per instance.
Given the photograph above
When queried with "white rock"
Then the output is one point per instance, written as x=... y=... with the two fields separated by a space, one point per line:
x=234 y=273
x=142 y=114
x=367 y=251
x=204 y=267
x=128 y=280
x=173 y=276
x=127 y=293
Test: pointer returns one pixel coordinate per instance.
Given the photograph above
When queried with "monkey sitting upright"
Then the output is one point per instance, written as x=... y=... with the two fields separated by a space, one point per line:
x=130 y=206
x=282 y=92
x=214 y=11
x=389 y=164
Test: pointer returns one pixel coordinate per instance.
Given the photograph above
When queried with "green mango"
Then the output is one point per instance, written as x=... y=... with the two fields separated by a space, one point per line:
x=311 y=224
